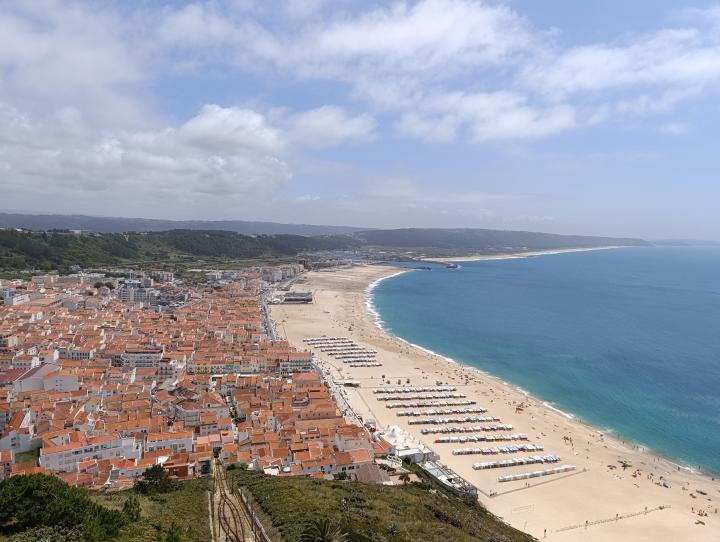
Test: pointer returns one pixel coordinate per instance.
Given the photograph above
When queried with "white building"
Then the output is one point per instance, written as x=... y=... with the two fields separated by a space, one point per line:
x=19 y=437
x=64 y=453
x=76 y=353
x=61 y=381
x=297 y=362
x=136 y=293
x=181 y=442
x=10 y=296
x=142 y=357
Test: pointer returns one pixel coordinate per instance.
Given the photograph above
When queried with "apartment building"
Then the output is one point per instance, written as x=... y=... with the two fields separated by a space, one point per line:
x=64 y=452
x=149 y=357
x=180 y=442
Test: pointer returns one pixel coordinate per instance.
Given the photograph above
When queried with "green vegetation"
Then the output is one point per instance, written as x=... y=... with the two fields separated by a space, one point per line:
x=322 y=530
x=26 y=457
x=304 y=510
x=41 y=507
x=31 y=505
x=156 y=480
x=181 y=515
x=100 y=284
x=179 y=249
x=61 y=249
x=131 y=508
x=473 y=239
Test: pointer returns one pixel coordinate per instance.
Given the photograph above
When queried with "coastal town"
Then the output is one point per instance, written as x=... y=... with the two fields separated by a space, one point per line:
x=282 y=371
x=102 y=378
x=101 y=386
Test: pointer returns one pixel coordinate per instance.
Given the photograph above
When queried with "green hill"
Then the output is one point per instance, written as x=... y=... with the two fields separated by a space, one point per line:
x=473 y=239
x=372 y=513
x=61 y=249
x=40 y=507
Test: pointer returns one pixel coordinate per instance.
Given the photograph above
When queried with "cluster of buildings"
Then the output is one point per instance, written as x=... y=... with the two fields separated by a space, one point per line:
x=96 y=386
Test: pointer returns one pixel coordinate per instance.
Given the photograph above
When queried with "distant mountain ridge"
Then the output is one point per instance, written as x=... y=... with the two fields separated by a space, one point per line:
x=107 y=224
x=474 y=239
x=115 y=239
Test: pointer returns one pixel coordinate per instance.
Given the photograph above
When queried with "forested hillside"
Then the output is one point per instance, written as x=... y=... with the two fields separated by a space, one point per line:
x=56 y=249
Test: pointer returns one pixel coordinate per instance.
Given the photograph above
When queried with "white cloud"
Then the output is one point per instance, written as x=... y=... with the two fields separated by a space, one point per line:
x=405 y=57
x=652 y=72
x=392 y=190
x=195 y=25
x=397 y=56
x=55 y=55
x=443 y=68
x=230 y=128
x=437 y=128
x=485 y=116
x=79 y=80
x=328 y=126
x=220 y=151
x=419 y=36
x=398 y=201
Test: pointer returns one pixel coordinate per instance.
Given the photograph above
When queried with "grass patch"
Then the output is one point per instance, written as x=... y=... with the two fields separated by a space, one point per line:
x=30 y=455
x=418 y=511
x=187 y=507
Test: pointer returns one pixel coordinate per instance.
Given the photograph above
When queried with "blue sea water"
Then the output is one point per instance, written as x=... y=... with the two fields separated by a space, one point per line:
x=627 y=339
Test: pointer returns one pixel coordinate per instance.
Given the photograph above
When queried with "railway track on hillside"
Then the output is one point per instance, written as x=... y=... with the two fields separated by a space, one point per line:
x=233 y=523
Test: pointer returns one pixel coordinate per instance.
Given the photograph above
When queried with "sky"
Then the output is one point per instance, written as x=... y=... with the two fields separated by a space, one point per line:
x=597 y=117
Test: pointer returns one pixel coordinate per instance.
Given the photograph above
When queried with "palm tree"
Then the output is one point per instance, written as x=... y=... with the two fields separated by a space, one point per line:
x=321 y=530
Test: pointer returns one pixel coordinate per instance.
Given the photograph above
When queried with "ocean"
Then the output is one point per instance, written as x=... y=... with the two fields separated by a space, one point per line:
x=627 y=340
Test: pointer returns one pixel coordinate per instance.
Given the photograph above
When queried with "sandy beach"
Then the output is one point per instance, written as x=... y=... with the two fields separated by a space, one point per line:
x=511 y=255
x=616 y=504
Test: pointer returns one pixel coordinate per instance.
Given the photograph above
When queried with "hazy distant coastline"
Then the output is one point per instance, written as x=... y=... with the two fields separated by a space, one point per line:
x=518 y=254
